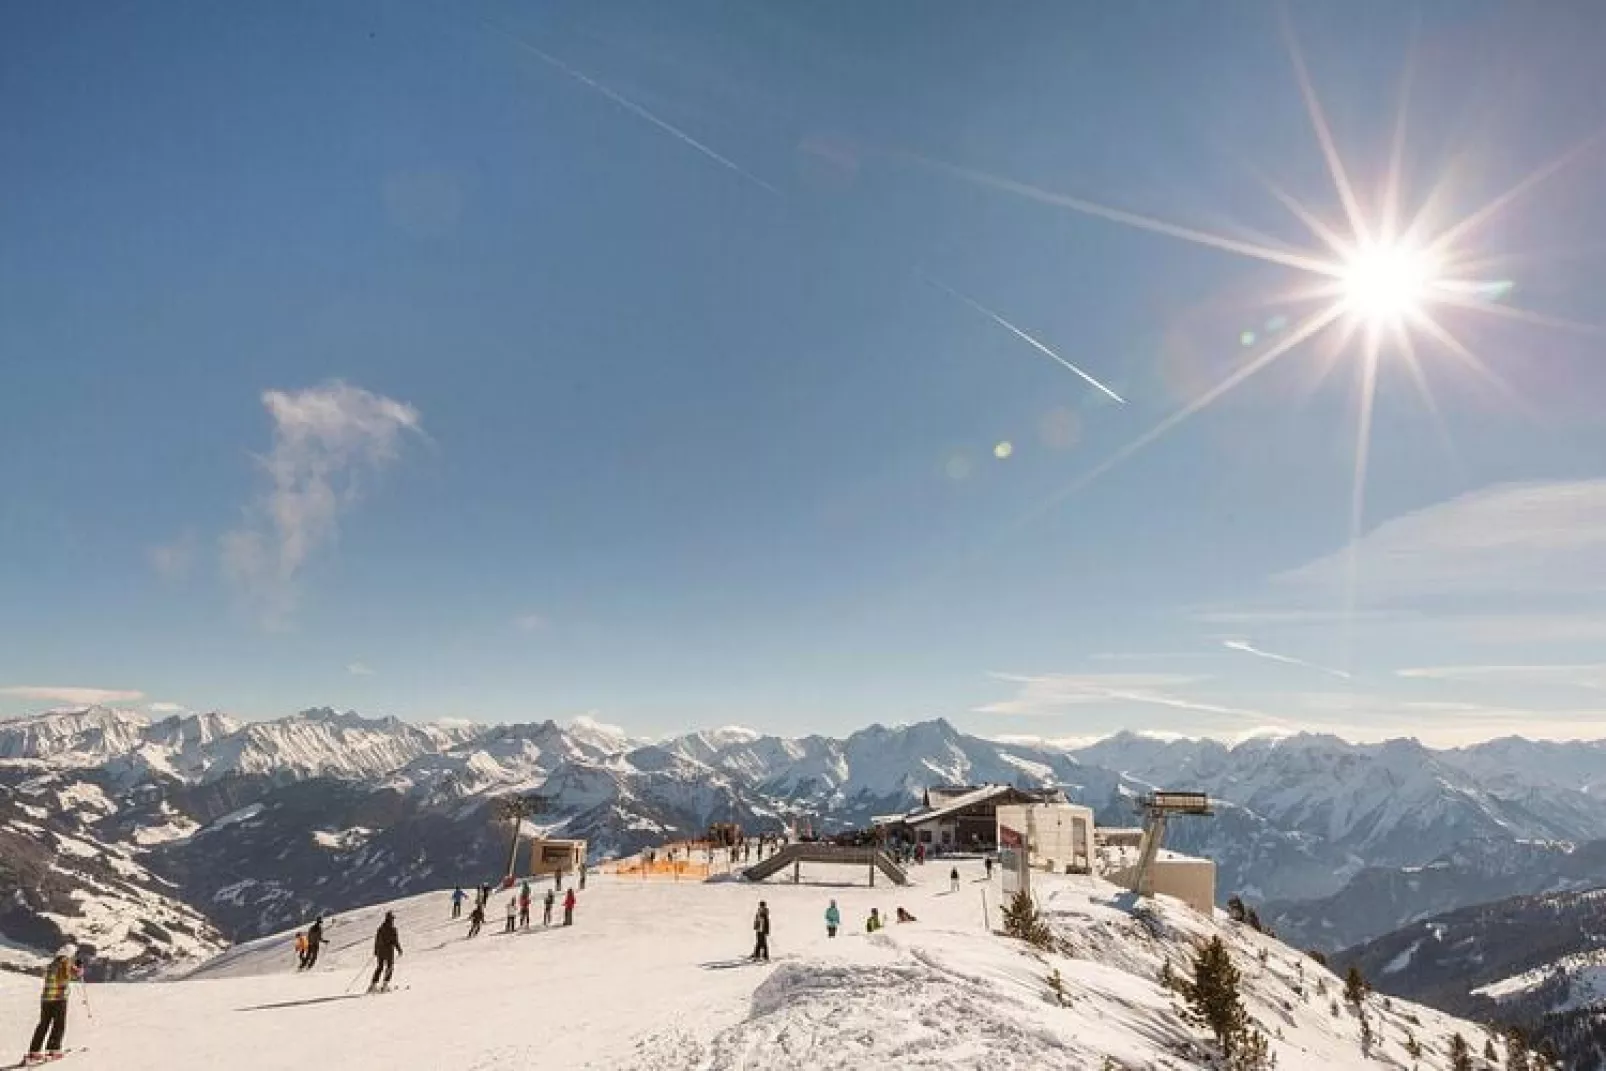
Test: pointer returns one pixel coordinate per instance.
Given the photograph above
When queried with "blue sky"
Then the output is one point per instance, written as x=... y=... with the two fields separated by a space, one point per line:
x=511 y=361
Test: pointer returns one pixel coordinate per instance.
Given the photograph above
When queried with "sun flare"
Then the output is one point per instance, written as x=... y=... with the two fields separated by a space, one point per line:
x=1387 y=284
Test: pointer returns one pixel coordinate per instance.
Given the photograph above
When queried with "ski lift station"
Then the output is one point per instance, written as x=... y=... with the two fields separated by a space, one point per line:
x=1062 y=838
x=556 y=856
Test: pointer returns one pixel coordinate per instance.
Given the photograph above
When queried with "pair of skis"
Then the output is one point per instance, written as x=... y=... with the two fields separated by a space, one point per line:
x=40 y=1059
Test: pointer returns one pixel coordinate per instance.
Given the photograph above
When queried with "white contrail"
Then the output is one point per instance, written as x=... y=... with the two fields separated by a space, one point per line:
x=1287 y=660
x=1022 y=335
x=636 y=109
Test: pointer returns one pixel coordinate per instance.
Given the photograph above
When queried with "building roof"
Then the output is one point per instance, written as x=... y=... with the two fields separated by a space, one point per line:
x=958 y=803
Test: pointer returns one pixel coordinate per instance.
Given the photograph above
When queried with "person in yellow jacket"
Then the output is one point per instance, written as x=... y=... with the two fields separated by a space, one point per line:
x=52 y=1028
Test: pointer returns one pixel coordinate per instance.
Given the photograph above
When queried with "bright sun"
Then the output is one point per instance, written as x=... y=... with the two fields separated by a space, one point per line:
x=1386 y=284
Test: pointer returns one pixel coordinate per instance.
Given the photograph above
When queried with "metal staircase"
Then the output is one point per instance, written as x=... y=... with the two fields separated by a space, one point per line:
x=870 y=858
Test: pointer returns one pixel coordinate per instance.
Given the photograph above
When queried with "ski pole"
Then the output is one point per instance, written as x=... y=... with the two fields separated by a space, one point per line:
x=83 y=994
x=356 y=977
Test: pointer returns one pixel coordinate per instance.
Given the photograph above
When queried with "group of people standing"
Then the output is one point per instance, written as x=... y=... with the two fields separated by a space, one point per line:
x=518 y=905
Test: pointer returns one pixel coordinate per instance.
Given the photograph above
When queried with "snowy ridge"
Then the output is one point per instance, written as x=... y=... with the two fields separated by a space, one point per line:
x=654 y=976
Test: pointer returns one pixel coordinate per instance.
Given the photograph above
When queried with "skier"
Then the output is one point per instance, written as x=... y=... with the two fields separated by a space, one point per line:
x=458 y=896
x=557 y=879
x=873 y=923
x=485 y=894
x=301 y=948
x=47 y=1036
x=387 y=946
x=953 y=880
x=904 y=916
x=761 y=933
x=314 y=942
x=988 y=863
x=582 y=877
x=833 y=919
x=524 y=906
x=546 y=916
x=568 y=908
x=512 y=914
x=476 y=919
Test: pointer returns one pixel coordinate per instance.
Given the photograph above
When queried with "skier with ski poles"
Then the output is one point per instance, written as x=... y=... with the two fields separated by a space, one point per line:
x=314 y=942
x=546 y=916
x=387 y=946
x=61 y=972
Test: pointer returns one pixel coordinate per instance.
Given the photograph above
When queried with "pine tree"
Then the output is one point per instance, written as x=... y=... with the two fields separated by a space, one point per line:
x=1235 y=909
x=1214 y=1001
x=1354 y=985
x=1489 y=1052
x=1516 y=1050
x=1056 y=987
x=1368 y=1038
x=1413 y=1047
x=1022 y=920
x=1253 y=918
x=1460 y=1055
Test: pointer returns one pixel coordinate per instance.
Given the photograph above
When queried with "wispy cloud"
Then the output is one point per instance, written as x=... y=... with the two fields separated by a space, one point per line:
x=172 y=561
x=530 y=623
x=1247 y=648
x=166 y=708
x=359 y=669
x=1519 y=538
x=71 y=694
x=324 y=439
x=1591 y=676
x=1058 y=693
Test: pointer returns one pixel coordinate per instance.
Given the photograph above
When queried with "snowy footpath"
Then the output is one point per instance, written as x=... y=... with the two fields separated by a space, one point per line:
x=654 y=975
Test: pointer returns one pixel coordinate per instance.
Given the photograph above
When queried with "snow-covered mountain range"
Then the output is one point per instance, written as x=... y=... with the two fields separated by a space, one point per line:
x=1534 y=961
x=254 y=824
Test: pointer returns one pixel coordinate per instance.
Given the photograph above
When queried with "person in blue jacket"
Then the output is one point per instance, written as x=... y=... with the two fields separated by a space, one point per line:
x=833 y=919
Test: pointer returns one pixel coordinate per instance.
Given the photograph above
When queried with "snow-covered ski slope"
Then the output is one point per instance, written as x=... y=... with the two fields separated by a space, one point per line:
x=653 y=975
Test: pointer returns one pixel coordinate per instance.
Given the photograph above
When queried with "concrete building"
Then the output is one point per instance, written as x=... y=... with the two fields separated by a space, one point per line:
x=1188 y=878
x=1061 y=834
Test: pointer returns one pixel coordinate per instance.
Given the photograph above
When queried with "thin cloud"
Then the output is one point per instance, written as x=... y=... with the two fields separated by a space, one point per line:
x=71 y=694
x=166 y=708
x=1287 y=660
x=172 y=561
x=1590 y=676
x=1057 y=693
x=1533 y=539
x=359 y=669
x=324 y=439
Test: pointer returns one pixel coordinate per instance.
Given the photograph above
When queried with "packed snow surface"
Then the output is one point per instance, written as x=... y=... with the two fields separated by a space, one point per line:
x=654 y=975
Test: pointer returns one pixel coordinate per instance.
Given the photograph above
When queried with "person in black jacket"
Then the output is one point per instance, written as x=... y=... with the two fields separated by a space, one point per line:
x=387 y=946
x=761 y=933
x=314 y=942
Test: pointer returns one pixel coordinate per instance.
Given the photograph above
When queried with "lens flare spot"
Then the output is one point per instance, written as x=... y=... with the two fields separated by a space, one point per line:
x=1004 y=450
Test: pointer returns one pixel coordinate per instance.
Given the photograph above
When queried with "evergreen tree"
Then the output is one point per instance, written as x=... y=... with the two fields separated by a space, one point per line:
x=1368 y=1038
x=1022 y=920
x=1253 y=918
x=1489 y=1052
x=1460 y=1055
x=1214 y=1001
x=1354 y=985
x=1235 y=908
x=1413 y=1047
